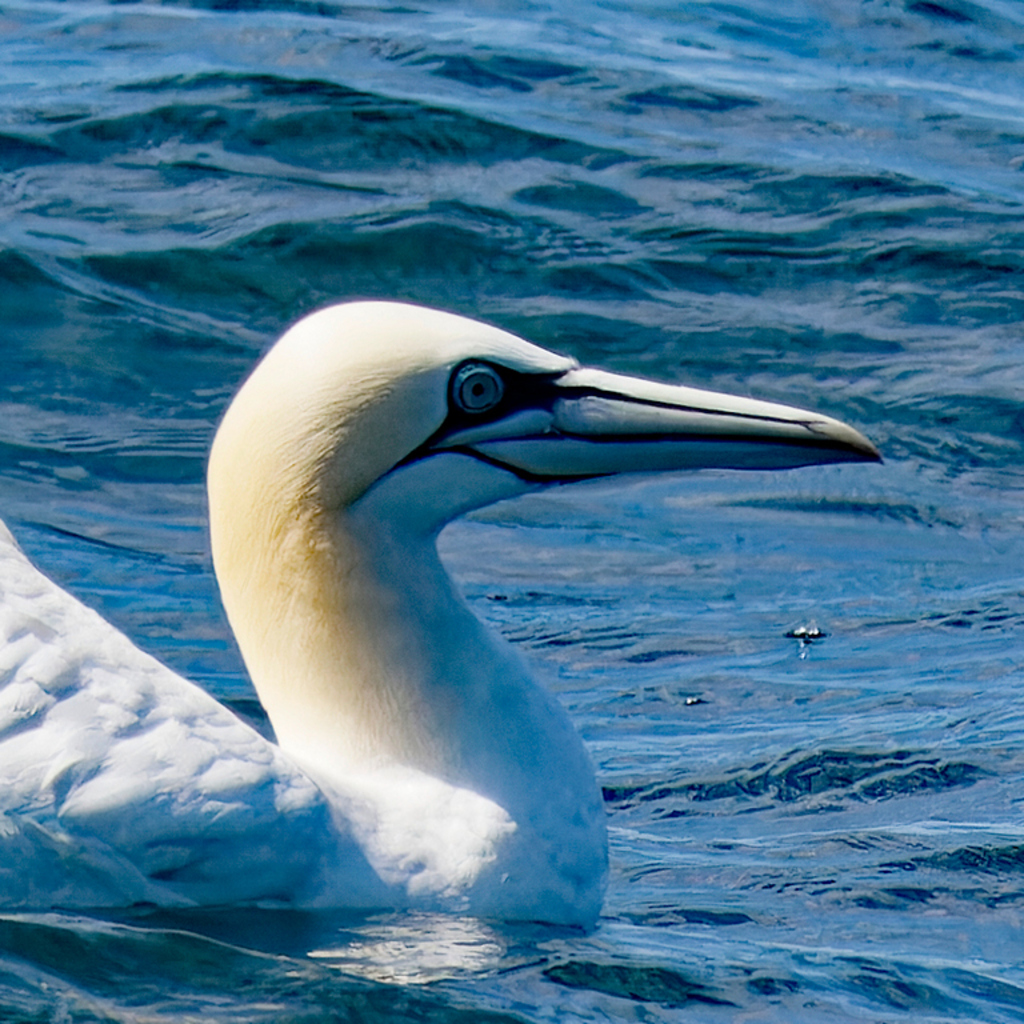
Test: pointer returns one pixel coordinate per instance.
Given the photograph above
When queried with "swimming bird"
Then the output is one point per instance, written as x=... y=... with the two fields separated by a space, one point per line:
x=417 y=763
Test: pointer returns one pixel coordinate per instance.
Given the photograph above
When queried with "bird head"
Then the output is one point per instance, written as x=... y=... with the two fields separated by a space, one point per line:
x=416 y=409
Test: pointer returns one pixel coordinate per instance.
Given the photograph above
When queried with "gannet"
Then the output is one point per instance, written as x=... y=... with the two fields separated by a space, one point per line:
x=417 y=763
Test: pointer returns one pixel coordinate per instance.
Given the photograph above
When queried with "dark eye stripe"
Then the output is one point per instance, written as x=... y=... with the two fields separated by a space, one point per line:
x=518 y=391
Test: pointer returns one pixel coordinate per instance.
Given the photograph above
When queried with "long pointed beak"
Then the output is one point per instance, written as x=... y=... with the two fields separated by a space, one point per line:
x=593 y=423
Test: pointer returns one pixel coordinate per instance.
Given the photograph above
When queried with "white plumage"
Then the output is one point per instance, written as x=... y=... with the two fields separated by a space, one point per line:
x=419 y=765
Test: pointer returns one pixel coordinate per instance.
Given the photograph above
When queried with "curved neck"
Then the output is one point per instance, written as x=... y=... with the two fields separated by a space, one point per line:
x=363 y=655
x=365 y=658
x=343 y=648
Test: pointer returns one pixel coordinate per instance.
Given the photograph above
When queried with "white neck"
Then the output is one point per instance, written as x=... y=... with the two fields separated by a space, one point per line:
x=375 y=674
x=363 y=656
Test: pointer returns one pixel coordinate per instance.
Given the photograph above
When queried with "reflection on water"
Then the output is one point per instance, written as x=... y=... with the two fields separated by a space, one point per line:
x=417 y=948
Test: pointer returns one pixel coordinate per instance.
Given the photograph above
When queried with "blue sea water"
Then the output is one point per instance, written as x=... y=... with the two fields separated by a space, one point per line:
x=820 y=203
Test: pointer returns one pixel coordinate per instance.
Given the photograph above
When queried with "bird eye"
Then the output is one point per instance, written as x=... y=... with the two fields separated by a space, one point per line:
x=476 y=387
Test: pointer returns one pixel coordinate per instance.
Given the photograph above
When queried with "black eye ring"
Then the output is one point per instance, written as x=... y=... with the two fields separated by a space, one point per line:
x=477 y=388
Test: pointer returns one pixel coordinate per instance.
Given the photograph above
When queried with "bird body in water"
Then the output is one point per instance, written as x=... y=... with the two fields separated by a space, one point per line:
x=417 y=762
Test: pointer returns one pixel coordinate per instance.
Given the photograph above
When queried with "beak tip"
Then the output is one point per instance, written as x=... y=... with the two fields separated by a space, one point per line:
x=866 y=450
x=852 y=442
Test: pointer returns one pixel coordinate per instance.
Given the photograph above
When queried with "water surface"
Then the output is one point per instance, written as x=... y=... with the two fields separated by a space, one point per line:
x=815 y=203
